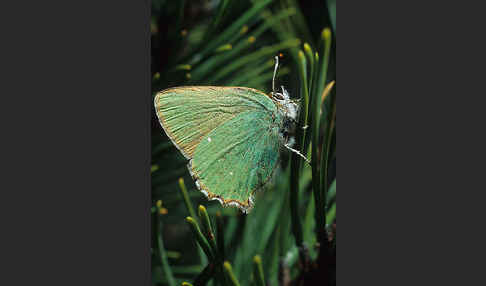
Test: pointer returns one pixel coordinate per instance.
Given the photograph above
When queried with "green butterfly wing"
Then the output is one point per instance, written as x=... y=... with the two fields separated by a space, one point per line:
x=230 y=135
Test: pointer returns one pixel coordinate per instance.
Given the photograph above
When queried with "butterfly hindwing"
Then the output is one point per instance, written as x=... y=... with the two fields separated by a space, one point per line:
x=237 y=158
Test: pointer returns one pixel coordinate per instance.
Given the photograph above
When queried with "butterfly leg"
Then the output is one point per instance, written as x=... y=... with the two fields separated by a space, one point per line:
x=297 y=152
x=290 y=141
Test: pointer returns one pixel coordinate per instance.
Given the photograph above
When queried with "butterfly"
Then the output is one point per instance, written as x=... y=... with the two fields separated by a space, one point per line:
x=232 y=136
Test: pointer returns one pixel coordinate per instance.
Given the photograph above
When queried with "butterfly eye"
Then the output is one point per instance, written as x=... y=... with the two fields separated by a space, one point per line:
x=278 y=95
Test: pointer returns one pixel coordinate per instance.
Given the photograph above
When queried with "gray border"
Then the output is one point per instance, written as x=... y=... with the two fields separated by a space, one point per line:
x=76 y=108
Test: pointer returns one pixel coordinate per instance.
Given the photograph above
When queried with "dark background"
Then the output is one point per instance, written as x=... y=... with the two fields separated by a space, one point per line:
x=75 y=190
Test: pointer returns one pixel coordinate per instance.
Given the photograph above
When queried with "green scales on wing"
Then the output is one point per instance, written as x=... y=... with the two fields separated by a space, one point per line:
x=229 y=134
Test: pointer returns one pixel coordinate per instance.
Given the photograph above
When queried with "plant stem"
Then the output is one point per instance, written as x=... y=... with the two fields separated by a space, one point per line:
x=192 y=213
x=295 y=160
x=204 y=276
x=258 y=271
x=196 y=231
x=185 y=196
x=321 y=193
x=326 y=37
x=324 y=257
x=220 y=234
x=163 y=255
x=208 y=230
x=230 y=277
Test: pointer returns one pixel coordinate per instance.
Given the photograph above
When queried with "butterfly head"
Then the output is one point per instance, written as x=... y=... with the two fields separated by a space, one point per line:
x=288 y=107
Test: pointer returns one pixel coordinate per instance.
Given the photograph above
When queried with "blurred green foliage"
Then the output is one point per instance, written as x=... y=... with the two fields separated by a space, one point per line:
x=290 y=235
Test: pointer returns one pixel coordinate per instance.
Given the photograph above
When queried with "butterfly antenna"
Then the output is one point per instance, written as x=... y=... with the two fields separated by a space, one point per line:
x=274 y=73
x=297 y=152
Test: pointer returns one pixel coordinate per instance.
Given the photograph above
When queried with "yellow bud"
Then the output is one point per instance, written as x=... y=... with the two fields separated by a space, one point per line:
x=224 y=48
x=244 y=29
x=326 y=33
x=154 y=168
x=301 y=54
x=257 y=259
x=326 y=91
x=183 y=67
x=307 y=48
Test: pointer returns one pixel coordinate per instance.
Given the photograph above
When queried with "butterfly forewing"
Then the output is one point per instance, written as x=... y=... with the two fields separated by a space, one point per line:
x=188 y=114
